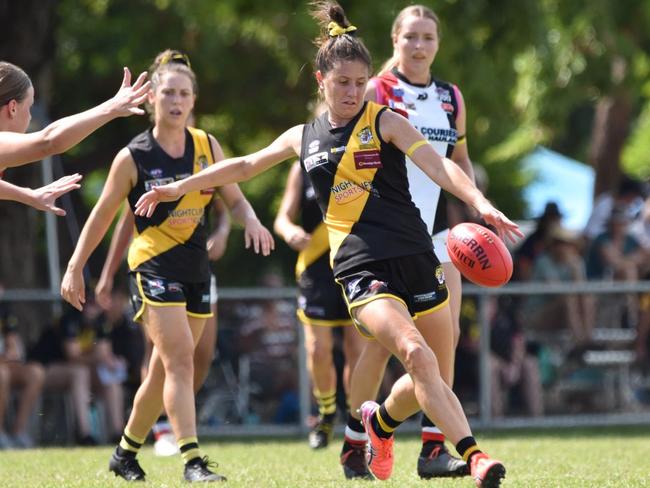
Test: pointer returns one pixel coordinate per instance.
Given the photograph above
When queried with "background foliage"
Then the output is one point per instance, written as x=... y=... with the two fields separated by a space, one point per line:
x=569 y=75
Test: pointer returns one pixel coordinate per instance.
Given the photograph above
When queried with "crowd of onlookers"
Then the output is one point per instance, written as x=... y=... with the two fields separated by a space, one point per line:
x=613 y=246
x=95 y=356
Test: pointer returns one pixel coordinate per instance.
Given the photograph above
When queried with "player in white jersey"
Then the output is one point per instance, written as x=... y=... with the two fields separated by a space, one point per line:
x=437 y=110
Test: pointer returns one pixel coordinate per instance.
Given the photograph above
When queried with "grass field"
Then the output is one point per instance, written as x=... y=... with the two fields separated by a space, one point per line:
x=567 y=458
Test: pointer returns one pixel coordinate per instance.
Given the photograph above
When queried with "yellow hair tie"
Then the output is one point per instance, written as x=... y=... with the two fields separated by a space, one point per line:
x=334 y=29
x=409 y=152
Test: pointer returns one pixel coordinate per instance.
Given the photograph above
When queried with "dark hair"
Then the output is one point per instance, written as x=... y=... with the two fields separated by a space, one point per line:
x=336 y=46
x=630 y=187
x=14 y=83
x=412 y=10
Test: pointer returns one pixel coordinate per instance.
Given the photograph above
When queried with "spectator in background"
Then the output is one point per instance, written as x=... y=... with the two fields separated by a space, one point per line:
x=535 y=244
x=615 y=254
x=640 y=230
x=560 y=262
x=127 y=339
x=271 y=341
x=512 y=363
x=628 y=198
x=80 y=360
x=16 y=375
x=643 y=334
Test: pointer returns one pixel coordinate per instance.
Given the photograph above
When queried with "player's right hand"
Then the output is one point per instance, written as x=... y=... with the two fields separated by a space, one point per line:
x=298 y=239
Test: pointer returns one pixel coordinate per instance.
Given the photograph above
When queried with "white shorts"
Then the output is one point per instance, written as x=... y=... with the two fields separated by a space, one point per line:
x=214 y=294
x=440 y=246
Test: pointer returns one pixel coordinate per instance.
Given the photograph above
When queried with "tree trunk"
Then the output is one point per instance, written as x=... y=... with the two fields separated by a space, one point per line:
x=27 y=40
x=610 y=129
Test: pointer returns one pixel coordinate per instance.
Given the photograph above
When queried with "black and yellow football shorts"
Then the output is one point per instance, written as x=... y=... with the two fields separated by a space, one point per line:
x=320 y=301
x=417 y=281
x=147 y=289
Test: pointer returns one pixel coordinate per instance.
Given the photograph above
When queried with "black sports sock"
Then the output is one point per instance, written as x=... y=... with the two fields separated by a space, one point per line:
x=383 y=424
x=467 y=447
x=355 y=424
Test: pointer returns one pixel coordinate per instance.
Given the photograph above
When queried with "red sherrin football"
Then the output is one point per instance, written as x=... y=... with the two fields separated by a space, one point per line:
x=479 y=254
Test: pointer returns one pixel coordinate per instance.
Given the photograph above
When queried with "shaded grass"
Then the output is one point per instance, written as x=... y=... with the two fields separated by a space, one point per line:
x=566 y=458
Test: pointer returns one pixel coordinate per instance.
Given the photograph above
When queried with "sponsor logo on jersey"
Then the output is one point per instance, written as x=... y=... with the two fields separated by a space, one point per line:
x=367 y=159
x=450 y=136
x=348 y=191
x=336 y=150
x=423 y=96
x=443 y=95
x=365 y=137
x=202 y=162
x=156 y=172
x=184 y=217
x=313 y=147
x=316 y=160
x=149 y=184
x=447 y=107
x=183 y=176
x=398 y=92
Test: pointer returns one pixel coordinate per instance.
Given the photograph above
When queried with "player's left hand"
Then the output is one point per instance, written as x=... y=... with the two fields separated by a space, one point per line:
x=259 y=236
x=503 y=225
x=148 y=202
x=43 y=198
x=217 y=243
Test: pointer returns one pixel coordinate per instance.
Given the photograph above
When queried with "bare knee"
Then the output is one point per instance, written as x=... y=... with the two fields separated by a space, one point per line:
x=418 y=359
x=203 y=358
x=320 y=352
x=80 y=374
x=179 y=361
x=35 y=374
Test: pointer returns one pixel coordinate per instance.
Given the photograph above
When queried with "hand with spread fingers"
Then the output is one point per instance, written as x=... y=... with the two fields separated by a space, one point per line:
x=129 y=97
x=43 y=198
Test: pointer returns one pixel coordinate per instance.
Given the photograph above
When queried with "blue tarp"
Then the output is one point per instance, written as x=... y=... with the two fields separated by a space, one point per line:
x=563 y=180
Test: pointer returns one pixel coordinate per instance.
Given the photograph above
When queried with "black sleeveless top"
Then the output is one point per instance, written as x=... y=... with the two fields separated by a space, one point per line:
x=172 y=243
x=362 y=188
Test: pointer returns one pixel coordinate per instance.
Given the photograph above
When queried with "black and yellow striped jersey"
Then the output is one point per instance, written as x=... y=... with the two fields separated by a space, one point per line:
x=172 y=243
x=362 y=188
x=311 y=219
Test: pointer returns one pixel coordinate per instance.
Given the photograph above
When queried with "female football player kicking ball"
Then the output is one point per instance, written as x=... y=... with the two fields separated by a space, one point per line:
x=380 y=249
